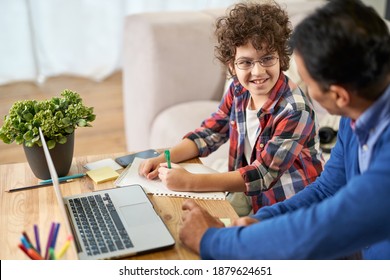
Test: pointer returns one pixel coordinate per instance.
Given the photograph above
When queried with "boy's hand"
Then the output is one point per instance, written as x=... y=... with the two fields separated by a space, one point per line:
x=175 y=178
x=149 y=167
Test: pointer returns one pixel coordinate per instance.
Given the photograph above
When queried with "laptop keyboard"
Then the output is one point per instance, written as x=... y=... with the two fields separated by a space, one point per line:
x=99 y=224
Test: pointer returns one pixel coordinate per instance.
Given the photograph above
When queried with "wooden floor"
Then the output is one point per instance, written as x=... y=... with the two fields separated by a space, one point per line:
x=107 y=132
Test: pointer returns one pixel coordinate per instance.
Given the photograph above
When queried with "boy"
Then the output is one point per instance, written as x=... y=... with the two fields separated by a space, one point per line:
x=271 y=124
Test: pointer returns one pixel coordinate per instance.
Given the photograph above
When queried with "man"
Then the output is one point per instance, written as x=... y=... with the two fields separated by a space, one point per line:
x=345 y=62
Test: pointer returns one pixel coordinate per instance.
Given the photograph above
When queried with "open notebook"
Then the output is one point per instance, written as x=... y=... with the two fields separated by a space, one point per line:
x=130 y=176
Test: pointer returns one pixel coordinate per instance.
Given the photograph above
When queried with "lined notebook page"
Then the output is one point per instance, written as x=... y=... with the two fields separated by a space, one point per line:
x=130 y=176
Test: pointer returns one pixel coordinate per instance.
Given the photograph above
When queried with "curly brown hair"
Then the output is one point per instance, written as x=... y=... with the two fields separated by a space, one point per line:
x=265 y=24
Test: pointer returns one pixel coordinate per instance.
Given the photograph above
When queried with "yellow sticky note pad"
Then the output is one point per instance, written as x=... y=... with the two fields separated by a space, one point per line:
x=103 y=174
x=227 y=222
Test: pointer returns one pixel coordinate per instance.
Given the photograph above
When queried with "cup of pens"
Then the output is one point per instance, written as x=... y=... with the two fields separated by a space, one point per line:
x=36 y=252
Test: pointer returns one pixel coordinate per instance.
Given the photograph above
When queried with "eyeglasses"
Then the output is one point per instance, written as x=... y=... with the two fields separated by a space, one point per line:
x=266 y=61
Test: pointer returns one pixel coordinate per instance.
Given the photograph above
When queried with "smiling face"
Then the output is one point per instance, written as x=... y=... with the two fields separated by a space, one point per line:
x=258 y=80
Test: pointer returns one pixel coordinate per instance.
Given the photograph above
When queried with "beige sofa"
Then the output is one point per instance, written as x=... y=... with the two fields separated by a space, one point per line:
x=171 y=80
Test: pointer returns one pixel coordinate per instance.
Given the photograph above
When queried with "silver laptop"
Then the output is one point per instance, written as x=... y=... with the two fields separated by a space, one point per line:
x=110 y=224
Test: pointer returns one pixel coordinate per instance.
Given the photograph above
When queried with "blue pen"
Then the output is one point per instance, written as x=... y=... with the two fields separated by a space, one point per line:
x=61 y=179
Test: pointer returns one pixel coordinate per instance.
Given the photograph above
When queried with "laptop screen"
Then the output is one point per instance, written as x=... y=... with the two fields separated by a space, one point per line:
x=56 y=184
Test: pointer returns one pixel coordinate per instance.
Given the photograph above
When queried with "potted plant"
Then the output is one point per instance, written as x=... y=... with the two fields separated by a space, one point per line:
x=58 y=119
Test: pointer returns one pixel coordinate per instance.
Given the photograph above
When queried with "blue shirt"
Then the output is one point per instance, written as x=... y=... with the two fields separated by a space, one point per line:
x=344 y=211
x=369 y=127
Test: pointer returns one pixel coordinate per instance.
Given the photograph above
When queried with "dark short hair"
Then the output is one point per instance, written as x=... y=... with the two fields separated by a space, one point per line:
x=261 y=24
x=345 y=43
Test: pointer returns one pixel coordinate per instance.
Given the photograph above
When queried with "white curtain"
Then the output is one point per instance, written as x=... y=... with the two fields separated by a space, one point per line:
x=17 y=61
x=44 y=38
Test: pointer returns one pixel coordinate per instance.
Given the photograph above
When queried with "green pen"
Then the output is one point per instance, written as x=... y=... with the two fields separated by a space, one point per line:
x=168 y=158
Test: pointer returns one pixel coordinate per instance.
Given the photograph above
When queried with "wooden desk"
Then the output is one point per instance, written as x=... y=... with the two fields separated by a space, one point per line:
x=21 y=210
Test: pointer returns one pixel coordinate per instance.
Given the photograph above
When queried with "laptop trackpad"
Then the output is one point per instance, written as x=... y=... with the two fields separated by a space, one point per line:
x=139 y=214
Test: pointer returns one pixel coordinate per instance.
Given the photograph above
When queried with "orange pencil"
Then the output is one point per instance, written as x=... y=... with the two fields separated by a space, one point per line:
x=34 y=254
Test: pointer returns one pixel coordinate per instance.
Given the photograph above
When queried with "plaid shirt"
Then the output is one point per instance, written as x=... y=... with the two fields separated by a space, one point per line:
x=286 y=155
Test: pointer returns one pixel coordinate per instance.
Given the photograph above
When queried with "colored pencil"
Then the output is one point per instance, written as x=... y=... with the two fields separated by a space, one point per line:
x=49 y=238
x=54 y=239
x=37 y=186
x=52 y=255
x=33 y=254
x=64 y=247
x=37 y=241
x=24 y=249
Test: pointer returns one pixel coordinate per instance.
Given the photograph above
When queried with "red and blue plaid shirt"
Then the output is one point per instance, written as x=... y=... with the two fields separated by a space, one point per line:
x=286 y=156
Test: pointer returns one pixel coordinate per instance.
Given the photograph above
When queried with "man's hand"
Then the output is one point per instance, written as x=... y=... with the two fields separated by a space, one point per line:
x=196 y=221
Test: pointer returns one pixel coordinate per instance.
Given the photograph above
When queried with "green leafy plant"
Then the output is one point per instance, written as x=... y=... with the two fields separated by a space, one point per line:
x=57 y=117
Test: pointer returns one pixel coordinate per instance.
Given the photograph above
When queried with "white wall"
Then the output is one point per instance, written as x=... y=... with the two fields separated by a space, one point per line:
x=378 y=5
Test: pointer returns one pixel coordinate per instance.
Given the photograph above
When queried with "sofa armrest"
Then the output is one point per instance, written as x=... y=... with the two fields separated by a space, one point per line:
x=168 y=59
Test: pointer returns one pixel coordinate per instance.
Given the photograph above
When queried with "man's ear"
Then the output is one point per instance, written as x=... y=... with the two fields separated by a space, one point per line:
x=341 y=95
